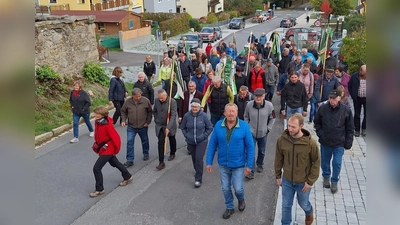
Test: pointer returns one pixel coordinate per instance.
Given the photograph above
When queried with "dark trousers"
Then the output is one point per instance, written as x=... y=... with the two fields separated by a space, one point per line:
x=270 y=92
x=197 y=152
x=186 y=79
x=114 y=162
x=161 y=141
x=118 y=105
x=357 y=111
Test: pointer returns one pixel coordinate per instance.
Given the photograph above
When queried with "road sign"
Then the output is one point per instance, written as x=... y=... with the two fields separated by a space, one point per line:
x=317 y=23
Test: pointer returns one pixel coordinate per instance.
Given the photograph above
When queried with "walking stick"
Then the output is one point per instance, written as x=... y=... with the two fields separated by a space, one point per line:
x=169 y=99
x=248 y=53
x=323 y=70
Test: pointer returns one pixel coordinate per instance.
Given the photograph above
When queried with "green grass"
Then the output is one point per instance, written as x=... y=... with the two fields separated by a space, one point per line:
x=114 y=50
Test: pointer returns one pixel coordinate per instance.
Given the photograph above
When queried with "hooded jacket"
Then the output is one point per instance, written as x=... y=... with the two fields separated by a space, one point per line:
x=271 y=74
x=294 y=95
x=300 y=161
x=104 y=131
x=261 y=118
x=196 y=128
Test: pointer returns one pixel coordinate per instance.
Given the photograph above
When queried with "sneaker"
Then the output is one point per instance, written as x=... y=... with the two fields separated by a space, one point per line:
x=326 y=182
x=96 y=193
x=250 y=176
x=161 y=166
x=227 y=214
x=145 y=158
x=334 y=187
x=74 y=140
x=91 y=134
x=242 y=205
x=128 y=164
x=310 y=218
x=259 y=169
x=125 y=182
x=197 y=184
x=357 y=134
x=364 y=133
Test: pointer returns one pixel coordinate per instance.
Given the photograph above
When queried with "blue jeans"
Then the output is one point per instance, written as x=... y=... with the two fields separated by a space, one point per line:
x=313 y=110
x=261 y=144
x=326 y=156
x=215 y=118
x=229 y=177
x=291 y=111
x=130 y=144
x=270 y=93
x=288 y=190
x=76 y=118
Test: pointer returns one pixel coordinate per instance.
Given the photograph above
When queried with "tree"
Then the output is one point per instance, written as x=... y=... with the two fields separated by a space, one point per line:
x=340 y=7
x=354 y=49
x=326 y=8
x=354 y=22
x=212 y=18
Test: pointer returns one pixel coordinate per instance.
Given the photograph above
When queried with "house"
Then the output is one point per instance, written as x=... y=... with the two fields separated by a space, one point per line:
x=201 y=8
x=108 y=22
x=156 y=6
x=46 y=6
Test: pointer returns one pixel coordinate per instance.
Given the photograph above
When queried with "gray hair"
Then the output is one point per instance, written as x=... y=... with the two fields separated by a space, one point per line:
x=161 y=91
x=216 y=79
x=141 y=73
x=231 y=104
x=285 y=50
x=310 y=58
x=136 y=91
x=192 y=82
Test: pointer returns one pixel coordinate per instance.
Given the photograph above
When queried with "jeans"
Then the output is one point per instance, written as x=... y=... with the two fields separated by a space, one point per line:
x=215 y=118
x=326 y=156
x=313 y=110
x=261 y=144
x=357 y=111
x=161 y=141
x=229 y=177
x=270 y=92
x=118 y=105
x=197 y=152
x=291 y=111
x=76 y=118
x=288 y=190
x=114 y=162
x=130 y=144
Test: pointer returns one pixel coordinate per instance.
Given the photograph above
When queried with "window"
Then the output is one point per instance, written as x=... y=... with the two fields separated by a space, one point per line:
x=100 y=26
x=170 y=10
x=80 y=1
x=130 y=24
x=184 y=10
x=53 y=1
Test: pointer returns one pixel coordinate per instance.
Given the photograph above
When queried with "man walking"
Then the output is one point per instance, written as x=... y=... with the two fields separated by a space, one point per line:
x=272 y=78
x=138 y=111
x=358 y=92
x=260 y=114
x=235 y=146
x=335 y=128
x=186 y=68
x=295 y=97
x=296 y=145
x=145 y=86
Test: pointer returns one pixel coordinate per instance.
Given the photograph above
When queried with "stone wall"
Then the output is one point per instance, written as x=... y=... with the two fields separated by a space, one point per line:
x=65 y=43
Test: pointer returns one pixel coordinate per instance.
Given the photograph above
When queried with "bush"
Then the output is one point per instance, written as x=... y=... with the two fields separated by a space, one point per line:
x=233 y=14
x=354 y=50
x=223 y=16
x=93 y=73
x=354 y=22
x=49 y=82
x=176 y=25
x=211 y=18
x=193 y=23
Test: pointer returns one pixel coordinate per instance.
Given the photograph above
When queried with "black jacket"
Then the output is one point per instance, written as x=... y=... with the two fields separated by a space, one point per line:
x=147 y=89
x=354 y=85
x=80 y=105
x=186 y=68
x=149 y=68
x=195 y=64
x=335 y=126
x=294 y=95
x=117 y=90
x=239 y=81
x=241 y=104
x=284 y=64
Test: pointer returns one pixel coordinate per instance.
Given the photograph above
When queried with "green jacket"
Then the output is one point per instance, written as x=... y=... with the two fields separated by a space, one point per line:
x=300 y=161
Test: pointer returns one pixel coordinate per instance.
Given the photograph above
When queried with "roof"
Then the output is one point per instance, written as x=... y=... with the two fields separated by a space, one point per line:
x=101 y=16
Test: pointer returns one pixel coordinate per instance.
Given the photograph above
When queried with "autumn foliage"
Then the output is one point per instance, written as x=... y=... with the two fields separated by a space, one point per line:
x=326 y=8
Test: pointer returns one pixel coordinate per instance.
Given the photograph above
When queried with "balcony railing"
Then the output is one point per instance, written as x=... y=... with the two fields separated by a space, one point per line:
x=108 y=5
x=213 y=3
x=46 y=9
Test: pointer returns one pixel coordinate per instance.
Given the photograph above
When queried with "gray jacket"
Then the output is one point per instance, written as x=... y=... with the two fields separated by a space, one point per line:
x=261 y=119
x=271 y=74
x=160 y=112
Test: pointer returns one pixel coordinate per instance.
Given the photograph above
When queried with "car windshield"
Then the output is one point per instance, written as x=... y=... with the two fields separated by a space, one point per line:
x=217 y=29
x=206 y=30
x=191 y=38
x=235 y=21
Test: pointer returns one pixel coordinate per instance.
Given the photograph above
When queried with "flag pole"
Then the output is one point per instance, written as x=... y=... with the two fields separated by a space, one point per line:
x=248 y=53
x=323 y=68
x=272 y=45
x=169 y=99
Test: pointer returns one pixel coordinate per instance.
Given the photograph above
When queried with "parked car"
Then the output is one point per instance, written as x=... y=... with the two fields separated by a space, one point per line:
x=208 y=34
x=193 y=40
x=312 y=34
x=293 y=20
x=284 y=24
x=237 y=23
x=219 y=32
x=335 y=46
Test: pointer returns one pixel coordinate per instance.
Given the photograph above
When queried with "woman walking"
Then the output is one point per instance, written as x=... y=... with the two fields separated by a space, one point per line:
x=80 y=105
x=107 y=145
x=117 y=93
x=196 y=127
x=149 y=68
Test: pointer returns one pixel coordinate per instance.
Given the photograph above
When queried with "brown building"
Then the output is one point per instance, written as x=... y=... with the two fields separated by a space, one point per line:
x=108 y=22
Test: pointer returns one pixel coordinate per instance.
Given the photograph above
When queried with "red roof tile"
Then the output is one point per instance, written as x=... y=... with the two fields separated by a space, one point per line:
x=101 y=16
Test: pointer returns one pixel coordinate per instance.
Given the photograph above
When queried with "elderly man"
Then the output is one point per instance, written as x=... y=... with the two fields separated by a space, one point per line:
x=220 y=65
x=272 y=78
x=214 y=58
x=188 y=95
x=313 y=66
x=305 y=54
x=232 y=138
x=145 y=86
x=295 y=65
x=284 y=63
x=313 y=51
x=307 y=78
x=221 y=94
x=329 y=83
x=186 y=68
x=199 y=78
x=138 y=111
x=358 y=92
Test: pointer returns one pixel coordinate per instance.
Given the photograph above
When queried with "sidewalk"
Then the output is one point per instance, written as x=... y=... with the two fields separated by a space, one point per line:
x=348 y=205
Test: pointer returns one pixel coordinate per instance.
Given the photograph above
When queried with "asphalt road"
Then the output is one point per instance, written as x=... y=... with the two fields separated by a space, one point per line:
x=64 y=178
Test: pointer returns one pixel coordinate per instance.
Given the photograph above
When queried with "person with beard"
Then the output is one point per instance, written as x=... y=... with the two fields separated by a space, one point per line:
x=296 y=143
x=149 y=68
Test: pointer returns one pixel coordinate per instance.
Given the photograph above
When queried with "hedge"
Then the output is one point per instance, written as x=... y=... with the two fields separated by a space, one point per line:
x=174 y=22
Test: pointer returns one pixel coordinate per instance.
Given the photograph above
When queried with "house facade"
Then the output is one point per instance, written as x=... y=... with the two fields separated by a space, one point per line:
x=199 y=8
x=156 y=6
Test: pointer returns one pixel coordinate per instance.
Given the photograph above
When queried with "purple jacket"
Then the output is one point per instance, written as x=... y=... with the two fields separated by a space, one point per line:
x=345 y=82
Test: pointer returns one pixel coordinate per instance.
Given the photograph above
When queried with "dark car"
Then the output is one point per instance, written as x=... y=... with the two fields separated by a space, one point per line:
x=312 y=34
x=284 y=24
x=193 y=40
x=219 y=32
x=293 y=20
x=208 y=34
x=237 y=23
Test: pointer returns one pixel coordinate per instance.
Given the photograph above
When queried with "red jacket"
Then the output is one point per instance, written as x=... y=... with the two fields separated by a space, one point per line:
x=208 y=50
x=256 y=80
x=104 y=130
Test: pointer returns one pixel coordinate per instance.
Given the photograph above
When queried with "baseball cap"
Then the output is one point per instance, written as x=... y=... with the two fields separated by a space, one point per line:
x=259 y=92
x=335 y=93
x=329 y=70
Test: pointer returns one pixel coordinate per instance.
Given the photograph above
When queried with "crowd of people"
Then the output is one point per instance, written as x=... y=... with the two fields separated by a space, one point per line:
x=238 y=121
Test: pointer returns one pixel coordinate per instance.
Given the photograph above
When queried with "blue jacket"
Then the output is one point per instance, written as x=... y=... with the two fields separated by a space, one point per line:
x=329 y=85
x=117 y=90
x=199 y=83
x=306 y=57
x=262 y=39
x=238 y=152
x=196 y=128
x=354 y=85
x=214 y=60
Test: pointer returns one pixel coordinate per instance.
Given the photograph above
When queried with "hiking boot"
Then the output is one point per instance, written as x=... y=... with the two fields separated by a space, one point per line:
x=310 y=218
x=197 y=184
x=125 y=182
x=171 y=157
x=91 y=134
x=259 y=169
x=334 y=187
x=189 y=152
x=357 y=134
x=96 y=193
x=145 y=158
x=227 y=214
x=242 y=205
x=128 y=164
x=161 y=166
x=250 y=176
x=364 y=133
x=74 y=140
x=326 y=182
